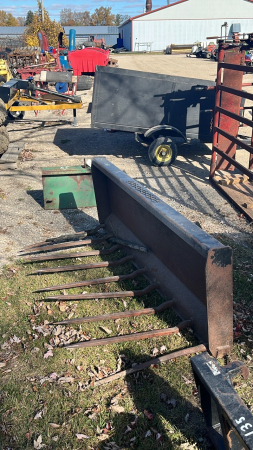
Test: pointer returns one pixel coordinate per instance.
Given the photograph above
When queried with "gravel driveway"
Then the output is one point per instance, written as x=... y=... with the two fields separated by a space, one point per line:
x=51 y=140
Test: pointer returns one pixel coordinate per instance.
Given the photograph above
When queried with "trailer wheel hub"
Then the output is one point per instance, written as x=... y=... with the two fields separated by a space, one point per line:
x=163 y=153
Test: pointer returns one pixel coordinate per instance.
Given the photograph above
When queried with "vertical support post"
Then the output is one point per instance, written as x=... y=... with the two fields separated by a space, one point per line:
x=74 y=116
x=216 y=113
x=251 y=154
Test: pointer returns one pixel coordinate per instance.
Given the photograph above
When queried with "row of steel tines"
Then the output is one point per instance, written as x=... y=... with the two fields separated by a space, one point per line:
x=82 y=239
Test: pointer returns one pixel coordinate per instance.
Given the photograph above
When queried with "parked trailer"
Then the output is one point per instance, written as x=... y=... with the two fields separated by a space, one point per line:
x=161 y=110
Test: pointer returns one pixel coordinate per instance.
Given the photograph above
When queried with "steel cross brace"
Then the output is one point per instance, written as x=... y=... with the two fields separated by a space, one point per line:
x=229 y=422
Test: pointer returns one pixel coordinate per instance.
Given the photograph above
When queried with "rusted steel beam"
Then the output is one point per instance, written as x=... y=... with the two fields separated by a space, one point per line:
x=112 y=279
x=234 y=140
x=236 y=67
x=119 y=315
x=71 y=255
x=66 y=237
x=132 y=337
x=242 y=119
x=118 y=294
x=83 y=266
x=151 y=362
x=239 y=166
x=71 y=244
x=242 y=94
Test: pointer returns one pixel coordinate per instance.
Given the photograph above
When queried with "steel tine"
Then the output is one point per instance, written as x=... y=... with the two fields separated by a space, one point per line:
x=93 y=281
x=131 y=337
x=69 y=244
x=72 y=255
x=118 y=315
x=66 y=237
x=83 y=266
x=100 y=295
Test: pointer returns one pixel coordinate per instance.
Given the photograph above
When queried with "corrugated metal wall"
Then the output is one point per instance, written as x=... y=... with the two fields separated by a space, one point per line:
x=165 y=32
x=126 y=34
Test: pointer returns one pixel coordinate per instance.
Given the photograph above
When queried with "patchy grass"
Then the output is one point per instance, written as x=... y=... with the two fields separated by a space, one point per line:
x=57 y=390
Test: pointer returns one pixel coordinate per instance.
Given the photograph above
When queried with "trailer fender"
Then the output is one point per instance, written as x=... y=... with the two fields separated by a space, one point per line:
x=165 y=130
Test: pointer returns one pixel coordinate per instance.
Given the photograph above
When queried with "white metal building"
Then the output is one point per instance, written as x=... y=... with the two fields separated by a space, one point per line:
x=186 y=22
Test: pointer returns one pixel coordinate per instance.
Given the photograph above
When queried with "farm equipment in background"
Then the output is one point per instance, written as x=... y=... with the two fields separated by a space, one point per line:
x=162 y=110
x=5 y=73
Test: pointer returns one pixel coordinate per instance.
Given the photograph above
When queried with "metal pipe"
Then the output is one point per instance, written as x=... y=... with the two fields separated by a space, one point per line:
x=71 y=244
x=99 y=295
x=131 y=337
x=216 y=112
x=94 y=281
x=151 y=362
x=66 y=237
x=119 y=315
x=83 y=266
x=72 y=255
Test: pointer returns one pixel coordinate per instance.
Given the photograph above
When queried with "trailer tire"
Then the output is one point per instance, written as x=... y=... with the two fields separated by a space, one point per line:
x=84 y=83
x=13 y=115
x=4 y=140
x=3 y=112
x=162 y=152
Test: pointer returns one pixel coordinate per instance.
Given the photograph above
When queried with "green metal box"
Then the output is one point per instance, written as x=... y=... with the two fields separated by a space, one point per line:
x=67 y=187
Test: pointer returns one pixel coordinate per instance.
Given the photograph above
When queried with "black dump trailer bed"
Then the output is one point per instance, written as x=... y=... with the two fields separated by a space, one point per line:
x=154 y=106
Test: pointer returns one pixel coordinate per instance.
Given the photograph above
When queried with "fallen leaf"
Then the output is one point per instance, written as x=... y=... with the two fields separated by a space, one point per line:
x=66 y=380
x=148 y=414
x=38 y=444
x=55 y=438
x=81 y=436
x=128 y=429
x=172 y=401
x=54 y=425
x=148 y=433
x=155 y=351
x=2 y=364
x=117 y=408
x=163 y=348
x=187 y=417
x=48 y=353
x=186 y=380
x=38 y=415
x=106 y=330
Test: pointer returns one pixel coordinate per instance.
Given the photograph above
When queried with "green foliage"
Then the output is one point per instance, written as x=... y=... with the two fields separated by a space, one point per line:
x=29 y=18
x=50 y=27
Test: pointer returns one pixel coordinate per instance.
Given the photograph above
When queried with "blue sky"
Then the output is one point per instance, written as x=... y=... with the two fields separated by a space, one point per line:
x=130 y=7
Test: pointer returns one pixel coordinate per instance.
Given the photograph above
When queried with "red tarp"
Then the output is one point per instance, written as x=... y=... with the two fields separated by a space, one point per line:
x=87 y=59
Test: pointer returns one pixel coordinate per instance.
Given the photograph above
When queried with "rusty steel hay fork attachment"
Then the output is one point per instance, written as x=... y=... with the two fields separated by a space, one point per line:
x=184 y=264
